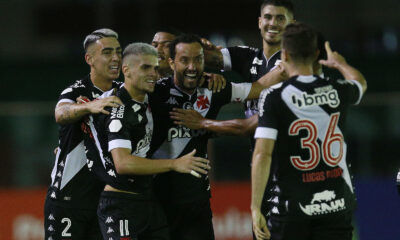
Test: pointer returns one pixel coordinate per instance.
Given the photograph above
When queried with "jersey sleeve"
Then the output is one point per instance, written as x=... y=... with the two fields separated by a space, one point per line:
x=69 y=95
x=118 y=127
x=240 y=92
x=351 y=90
x=268 y=119
x=238 y=59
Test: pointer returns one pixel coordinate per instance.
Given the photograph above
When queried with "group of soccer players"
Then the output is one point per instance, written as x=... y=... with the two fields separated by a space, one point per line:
x=132 y=156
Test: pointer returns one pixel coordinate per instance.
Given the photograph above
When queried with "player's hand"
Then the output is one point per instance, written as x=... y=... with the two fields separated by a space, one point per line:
x=334 y=59
x=208 y=45
x=216 y=82
x=260 y=225
x=98 y=105
x=191 y=164
x=187 y=117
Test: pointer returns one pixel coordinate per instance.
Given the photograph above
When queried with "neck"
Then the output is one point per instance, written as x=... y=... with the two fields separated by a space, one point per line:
x=270 y=49
x=137 y=95
x=300 y=69
x=100 y=82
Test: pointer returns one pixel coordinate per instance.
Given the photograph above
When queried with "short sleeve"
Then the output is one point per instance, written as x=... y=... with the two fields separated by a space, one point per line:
x=69 y=95
x=351 y=90
x=239 y=59
x=118 y=128
x=268 y=119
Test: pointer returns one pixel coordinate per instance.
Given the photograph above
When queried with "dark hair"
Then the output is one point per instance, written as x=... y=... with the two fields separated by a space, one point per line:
x=279 y=3
x=170 y=30
x=184 y=38
x=300 y=41
x=98 y=34
x=321 y=46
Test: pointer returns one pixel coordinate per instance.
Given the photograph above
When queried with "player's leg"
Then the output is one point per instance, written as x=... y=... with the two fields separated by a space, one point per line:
x=192 y=221
x=65 y=223
x=122 y=215
x=289 y=229
x=334 y=227
x=93 y=229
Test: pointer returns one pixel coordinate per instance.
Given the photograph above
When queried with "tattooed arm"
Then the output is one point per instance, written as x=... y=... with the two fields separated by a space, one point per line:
x=66 y=112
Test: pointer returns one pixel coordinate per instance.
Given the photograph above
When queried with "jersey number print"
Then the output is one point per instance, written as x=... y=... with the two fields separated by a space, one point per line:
x=310 y=142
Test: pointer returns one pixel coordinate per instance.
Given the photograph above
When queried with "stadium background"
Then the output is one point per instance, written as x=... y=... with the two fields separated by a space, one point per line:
x=41 y=53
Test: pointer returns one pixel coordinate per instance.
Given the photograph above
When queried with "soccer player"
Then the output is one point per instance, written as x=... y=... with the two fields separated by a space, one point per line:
x=72 y=198
x=120 y=142
x=300 y=143
x=252 y=63
x=185 y=198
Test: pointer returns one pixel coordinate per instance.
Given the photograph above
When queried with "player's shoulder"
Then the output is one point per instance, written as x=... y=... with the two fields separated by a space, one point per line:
x=76 y=86
x=244 y=49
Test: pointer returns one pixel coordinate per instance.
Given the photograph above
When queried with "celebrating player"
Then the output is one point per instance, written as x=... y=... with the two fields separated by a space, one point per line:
x=300 y=143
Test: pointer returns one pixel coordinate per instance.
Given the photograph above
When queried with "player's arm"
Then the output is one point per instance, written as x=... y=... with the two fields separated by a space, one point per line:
x=213 y=57
x=125 y=163
x=269 y=79
x=194 y=120
x=337 y=61
x=70 y=112
x=260 y=170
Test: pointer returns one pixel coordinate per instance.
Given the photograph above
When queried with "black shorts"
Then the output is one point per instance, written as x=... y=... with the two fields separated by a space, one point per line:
x=125 y=216
x=190 y=221
x=334 y=227
x=69 y=223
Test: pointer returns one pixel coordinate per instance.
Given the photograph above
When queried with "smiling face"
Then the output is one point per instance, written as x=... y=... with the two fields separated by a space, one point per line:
x=104 y=58
x=188 y=66
x=161 y=42
x=272 y=23
x=140 y=73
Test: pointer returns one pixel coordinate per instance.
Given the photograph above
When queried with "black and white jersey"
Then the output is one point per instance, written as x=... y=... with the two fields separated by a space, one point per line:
x=128 y=126
x=251 y=64
x=172 y=141
x=310 y=172
x=72 y=184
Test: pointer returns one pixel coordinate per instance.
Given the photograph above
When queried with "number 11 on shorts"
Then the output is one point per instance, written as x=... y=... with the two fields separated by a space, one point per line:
x=123 y=225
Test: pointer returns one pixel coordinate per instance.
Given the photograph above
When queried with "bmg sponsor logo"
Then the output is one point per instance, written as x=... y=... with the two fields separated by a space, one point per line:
x=323 y=203
x=330 y=98
x=183 y=132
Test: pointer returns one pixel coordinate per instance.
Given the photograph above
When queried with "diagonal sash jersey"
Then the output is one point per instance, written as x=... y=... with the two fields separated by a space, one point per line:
x=173 y=141
x=310 y=172
x=128 y=126
x=251 y=64
x=72 y=184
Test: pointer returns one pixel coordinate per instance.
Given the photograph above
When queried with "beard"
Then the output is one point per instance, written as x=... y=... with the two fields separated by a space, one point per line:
x=187 y=85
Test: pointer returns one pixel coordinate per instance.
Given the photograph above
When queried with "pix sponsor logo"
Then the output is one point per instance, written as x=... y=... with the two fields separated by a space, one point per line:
x=323 y=203
x=183 y=132
x=145 y=142
x=330 y=98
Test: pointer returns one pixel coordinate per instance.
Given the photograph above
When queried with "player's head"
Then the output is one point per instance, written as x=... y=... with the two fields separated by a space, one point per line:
x=299 y=44
x=317 y=67
x=274 y=17
x=139 y=65
x=103 y=53
x=161 y=41
x=187 y=61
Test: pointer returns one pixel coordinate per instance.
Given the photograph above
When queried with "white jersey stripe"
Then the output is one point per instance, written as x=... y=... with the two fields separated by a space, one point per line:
x=74 y=162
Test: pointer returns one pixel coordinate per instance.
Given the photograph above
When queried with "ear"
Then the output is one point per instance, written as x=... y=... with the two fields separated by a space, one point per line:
x=259 y=22
x=88 y=59
x=171 y=64
x=284 y=55
x=125 y=70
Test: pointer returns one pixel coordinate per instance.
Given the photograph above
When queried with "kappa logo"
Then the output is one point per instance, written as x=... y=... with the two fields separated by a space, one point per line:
x=110 y=230
x=51 y=217
x=202 y=102
x=61 y=164
x=253 y=70
x=56 y=185
x=307 y=100
x=172 y=101
x=50 y=238
x=89 y=164
x=257 y=61
x=59 y=174
x=53 y=195
x=111 y=173
x=50 y=228
x=109 y=220
x=322 y=203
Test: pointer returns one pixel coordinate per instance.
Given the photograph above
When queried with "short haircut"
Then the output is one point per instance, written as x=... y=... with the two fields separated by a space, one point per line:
x=139 y=49
x=184 y=38
x=300 y=41
x=321 y=46
x=98 y=34
x=279 y=3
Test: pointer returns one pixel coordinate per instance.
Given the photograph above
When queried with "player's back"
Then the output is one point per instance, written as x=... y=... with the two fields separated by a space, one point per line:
x=309 y=166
